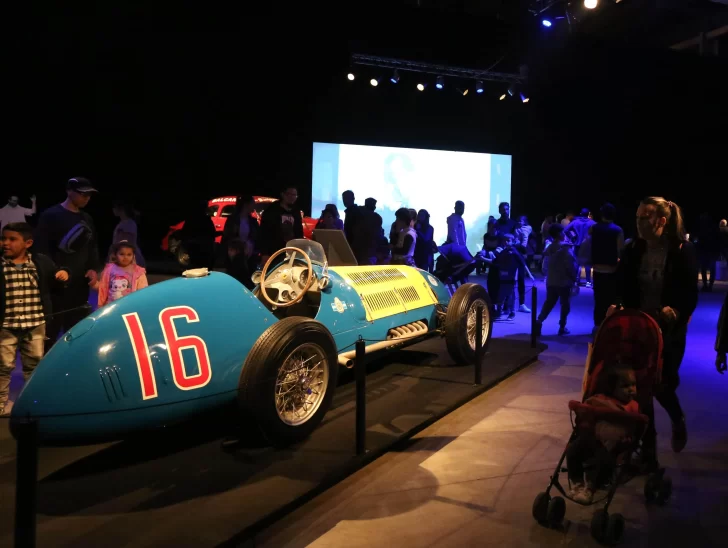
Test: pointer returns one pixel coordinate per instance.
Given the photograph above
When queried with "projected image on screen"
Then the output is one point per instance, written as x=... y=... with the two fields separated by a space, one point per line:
x=414 y=178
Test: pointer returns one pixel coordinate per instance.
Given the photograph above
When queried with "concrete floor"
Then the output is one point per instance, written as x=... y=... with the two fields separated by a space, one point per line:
x=470 y=479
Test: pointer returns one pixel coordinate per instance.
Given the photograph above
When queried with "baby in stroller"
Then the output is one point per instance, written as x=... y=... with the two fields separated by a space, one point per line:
x=623 y=369
x=602 y=443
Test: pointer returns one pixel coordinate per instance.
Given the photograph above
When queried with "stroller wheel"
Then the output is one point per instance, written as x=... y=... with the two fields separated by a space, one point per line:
x=556 y=511
x=664 y=490
x=599 y=523
x=541 y=507
x=615 y=529
x=652 y=487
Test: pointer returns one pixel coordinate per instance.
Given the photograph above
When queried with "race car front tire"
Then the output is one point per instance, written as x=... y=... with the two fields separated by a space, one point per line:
x=288 y=379
x=459 y=322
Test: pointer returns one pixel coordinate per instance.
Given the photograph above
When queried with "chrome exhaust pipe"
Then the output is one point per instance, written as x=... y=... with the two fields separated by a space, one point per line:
x=395 y=336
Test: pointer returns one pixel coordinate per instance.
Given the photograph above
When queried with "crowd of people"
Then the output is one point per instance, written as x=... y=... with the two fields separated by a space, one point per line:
x=48 y=271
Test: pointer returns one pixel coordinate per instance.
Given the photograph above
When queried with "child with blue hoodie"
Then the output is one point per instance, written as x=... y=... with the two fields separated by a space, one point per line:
x=560 y=269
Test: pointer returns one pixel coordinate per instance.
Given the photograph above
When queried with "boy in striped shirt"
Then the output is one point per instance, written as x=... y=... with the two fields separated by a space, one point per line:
x=25 y=283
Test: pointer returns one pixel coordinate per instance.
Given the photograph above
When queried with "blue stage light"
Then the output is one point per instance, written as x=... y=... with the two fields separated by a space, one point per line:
x=546 y=23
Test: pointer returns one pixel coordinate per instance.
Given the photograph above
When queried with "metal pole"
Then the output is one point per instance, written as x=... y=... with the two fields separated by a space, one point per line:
x=534 y=316
x=361 y=400
x=479 y=344
x=26 y=484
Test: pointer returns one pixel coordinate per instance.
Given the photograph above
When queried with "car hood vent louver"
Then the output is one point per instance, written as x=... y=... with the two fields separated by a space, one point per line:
x=372 y=277
x=111 y=380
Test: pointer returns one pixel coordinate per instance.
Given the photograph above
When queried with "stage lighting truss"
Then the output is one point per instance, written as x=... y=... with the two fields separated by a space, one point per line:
x=440 y=71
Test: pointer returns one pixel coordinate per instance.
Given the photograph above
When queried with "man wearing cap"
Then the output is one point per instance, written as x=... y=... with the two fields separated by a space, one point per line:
x=67 y=234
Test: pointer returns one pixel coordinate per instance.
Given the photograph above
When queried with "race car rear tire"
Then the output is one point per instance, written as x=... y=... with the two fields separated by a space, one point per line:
x=460 y=319
x=288 y=400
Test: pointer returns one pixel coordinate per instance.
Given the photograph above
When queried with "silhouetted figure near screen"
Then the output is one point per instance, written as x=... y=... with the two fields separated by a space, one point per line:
x=425 y=245
x=456 y=226
x=504 y=224
x=360 y=227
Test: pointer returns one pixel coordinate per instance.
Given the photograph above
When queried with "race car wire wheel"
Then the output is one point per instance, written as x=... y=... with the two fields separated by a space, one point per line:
x=301 y=384
x=288 y=379
x=472 y=319
x=460 y=322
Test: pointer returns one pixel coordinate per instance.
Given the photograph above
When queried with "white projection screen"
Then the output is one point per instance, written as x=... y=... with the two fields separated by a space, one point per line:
x=414 y=178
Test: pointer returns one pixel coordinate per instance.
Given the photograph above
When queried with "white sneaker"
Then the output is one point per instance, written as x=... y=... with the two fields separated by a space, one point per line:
x=576 y=490
x=585 y=496
x=524 y=308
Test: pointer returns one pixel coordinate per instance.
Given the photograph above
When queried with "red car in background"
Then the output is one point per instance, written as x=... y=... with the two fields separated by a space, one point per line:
x=220 y=209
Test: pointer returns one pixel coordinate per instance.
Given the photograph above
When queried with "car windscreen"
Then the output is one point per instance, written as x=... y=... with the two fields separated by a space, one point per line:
x=314 y=250
x=211 y=211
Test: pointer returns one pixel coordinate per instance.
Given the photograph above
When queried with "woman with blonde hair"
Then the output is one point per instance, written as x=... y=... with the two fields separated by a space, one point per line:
x=658 y=274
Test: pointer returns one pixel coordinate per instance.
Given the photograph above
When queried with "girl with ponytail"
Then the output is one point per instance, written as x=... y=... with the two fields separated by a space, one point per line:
x=658 y=274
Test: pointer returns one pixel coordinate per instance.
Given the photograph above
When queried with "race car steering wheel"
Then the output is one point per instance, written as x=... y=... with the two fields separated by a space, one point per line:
x=284 y=277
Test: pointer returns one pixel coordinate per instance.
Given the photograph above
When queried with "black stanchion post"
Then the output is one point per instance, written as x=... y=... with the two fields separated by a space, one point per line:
x=534 y=317
x=26 y=484
x=360 y=373
x=479 y=344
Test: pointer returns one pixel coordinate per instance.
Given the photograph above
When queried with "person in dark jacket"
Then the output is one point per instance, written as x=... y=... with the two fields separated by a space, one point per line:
x=425 y=244
x=241 y=225
x=708 y=246
x=560 y=268
x=198 y=237
x=66 y=234
x=25 y=303
x=658 y=274
x=607 y=241
x=280 y=223
x=721 y=340
x=239 y=263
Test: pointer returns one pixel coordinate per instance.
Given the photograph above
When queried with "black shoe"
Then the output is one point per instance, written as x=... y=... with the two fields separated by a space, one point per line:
x=564 y=331
x=512 y=316
x=679 y=435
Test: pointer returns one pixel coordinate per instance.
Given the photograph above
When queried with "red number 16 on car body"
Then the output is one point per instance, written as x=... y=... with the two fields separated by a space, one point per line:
x=175 y=345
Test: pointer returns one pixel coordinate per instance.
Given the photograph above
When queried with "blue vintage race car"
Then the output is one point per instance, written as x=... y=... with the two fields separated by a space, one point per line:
x=183 y=346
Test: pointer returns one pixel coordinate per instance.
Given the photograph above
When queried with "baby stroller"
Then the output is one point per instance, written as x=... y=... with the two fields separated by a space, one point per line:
x=630 y=335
